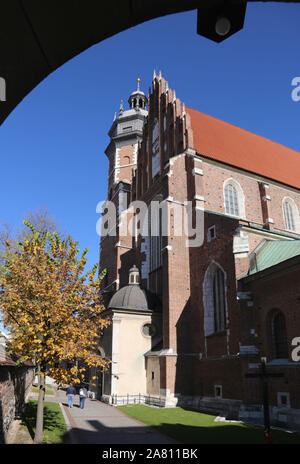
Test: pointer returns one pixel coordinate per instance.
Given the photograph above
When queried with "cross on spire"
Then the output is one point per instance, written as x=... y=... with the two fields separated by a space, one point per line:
x=138 y=99
x=264 y=376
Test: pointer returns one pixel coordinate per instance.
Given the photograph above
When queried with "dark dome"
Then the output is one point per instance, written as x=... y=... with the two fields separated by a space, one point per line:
x=135 y=298
x=137 y=92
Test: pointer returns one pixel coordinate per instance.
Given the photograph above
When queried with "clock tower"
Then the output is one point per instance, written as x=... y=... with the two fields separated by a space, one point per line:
x=125 y=135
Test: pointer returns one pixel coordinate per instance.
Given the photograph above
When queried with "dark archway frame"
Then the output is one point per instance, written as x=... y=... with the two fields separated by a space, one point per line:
x=38 y=36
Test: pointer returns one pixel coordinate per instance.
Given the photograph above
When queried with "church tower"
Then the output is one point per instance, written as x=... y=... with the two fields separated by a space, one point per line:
x=125 y=136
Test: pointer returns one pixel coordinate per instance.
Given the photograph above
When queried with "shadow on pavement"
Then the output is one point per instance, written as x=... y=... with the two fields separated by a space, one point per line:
x=183 y=434
x=101 y=434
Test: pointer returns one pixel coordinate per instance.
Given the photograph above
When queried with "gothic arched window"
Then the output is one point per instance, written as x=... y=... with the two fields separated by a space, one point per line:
x=219 y=300
x=289 y=213
x=231 y=200
x=155 y=235
x=214 y=300
x=155 y=149
x=279 y=337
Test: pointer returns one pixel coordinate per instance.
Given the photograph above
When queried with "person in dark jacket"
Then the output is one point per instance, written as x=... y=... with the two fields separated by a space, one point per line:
x=70 y=394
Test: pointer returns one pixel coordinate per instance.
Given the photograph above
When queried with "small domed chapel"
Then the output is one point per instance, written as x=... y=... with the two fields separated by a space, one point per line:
x=191 y=320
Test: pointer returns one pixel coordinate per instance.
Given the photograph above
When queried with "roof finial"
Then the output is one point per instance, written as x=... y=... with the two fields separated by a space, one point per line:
x=183 y=109
x=167 y=86
x=138 y=84
x=115 y=116
x=154 y=74
x=174 y=96
x=159 y=75
x=121 y=107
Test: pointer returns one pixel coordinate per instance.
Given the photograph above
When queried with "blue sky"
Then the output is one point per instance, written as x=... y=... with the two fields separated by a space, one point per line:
x=52 y=145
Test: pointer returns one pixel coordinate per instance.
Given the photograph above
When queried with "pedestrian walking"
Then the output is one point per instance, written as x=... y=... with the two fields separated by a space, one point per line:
x=82 y=397
x=70 y=394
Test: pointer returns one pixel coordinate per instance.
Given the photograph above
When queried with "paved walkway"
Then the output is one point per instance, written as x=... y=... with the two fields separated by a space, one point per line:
x=99 y=423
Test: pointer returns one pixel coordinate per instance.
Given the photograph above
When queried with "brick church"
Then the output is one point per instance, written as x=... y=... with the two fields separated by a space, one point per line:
x=191 y=320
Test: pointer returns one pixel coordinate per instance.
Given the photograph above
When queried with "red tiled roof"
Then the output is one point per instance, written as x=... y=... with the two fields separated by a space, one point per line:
x=7 y=361
x=235 y=146
x=11 y=361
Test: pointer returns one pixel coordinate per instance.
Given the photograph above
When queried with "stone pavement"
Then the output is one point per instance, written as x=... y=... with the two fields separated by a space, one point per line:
x=18 y=435
x=99 y=423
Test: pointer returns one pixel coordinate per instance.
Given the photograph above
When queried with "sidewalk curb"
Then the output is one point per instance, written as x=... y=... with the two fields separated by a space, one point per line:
x=70 y=428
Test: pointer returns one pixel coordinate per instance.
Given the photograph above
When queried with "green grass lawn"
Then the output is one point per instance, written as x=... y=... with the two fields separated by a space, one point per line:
x=194 y=427
x=54 y=424
x=48 y=391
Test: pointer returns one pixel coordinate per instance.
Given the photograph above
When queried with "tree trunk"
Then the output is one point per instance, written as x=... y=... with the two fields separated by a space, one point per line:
x=38 y=437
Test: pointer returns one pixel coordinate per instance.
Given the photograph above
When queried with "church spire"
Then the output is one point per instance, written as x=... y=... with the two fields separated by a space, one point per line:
x=121 y=108
x=138 y=99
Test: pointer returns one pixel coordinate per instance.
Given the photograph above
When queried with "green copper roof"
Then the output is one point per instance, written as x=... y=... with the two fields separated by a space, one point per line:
x=271 y=252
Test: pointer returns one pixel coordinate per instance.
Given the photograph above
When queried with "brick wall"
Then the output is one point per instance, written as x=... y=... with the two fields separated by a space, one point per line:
x=279 y=292
x=15 y=383
x=194 y=363
x=282 y=293
x=277 y=194
x=214 y=177
x=219 y=251
x=258 y=208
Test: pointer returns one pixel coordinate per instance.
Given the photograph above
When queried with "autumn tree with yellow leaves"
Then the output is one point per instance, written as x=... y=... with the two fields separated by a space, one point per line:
x=52 y=308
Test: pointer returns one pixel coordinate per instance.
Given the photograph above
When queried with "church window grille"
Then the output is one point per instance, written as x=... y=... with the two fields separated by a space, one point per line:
x=155 y=150
x=214 y=300
x=279 y=337
x=231 y=200
x=219 y=300
x=155 y=233
x=289 y=218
